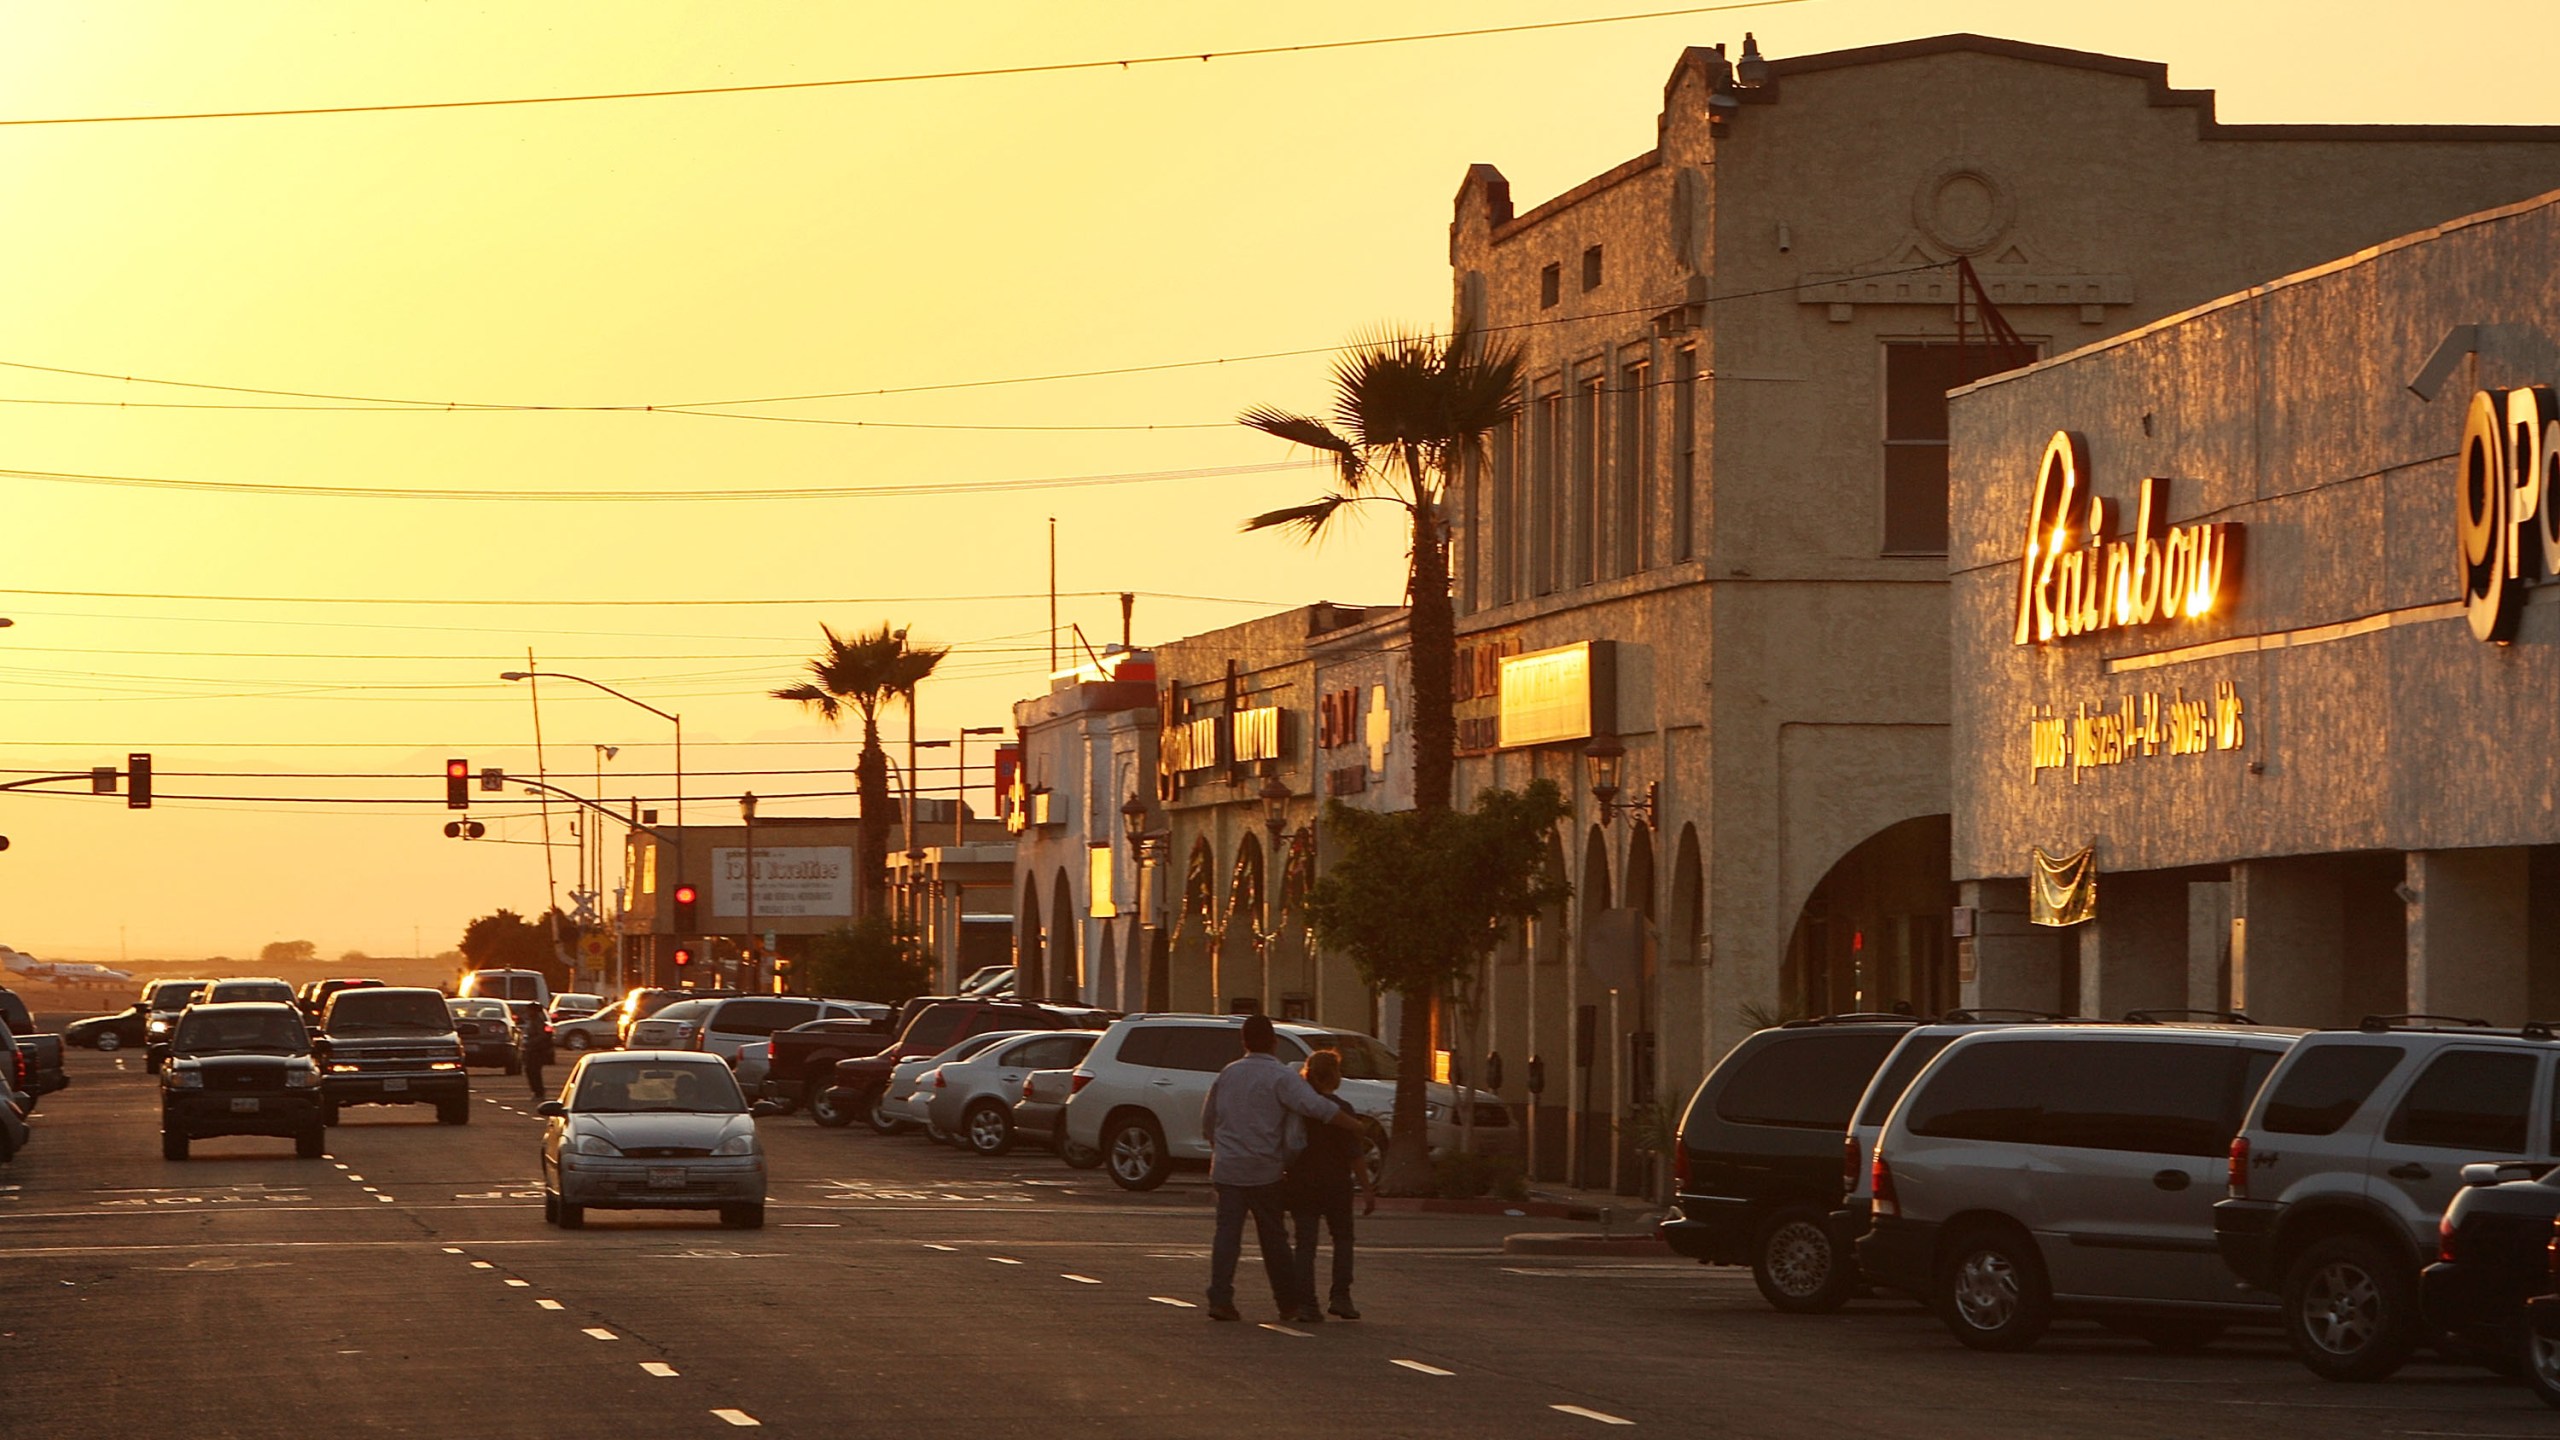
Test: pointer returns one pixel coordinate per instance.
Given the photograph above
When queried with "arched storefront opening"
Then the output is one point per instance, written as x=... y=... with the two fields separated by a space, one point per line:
x=1106 y=970
x=1873 y=934
x=1190 y=968
x=1243 y=967
x=1066 y=977
x=1688 y=933
x=1026 y=942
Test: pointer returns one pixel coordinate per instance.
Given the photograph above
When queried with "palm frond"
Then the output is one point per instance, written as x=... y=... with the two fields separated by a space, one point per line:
x=1308 y=519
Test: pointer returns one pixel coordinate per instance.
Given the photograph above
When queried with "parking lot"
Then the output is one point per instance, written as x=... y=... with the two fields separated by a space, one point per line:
x=405 y=1284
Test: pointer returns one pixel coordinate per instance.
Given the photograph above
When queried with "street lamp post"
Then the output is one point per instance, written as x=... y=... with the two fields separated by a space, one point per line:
x=684 y=841
x=747 y=811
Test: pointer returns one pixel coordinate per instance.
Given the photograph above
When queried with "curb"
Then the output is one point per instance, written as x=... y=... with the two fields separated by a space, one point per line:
x=1623 y=1246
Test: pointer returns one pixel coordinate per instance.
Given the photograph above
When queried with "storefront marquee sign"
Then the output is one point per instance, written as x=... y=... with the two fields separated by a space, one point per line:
x=2125 y=728
x=2080 y=582
x=2510 y=520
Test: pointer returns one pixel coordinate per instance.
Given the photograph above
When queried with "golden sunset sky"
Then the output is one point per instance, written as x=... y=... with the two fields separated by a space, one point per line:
x=598 y=257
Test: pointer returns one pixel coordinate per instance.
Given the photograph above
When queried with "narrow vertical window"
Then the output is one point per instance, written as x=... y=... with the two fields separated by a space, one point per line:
x=1589 y=502
x=1635 y=468
x=1684 y=455
x=1591 y=268
x=1466 y=533
x=1543 y=447
x=1917 y=377
x=1550 y=285
x=1503 y=544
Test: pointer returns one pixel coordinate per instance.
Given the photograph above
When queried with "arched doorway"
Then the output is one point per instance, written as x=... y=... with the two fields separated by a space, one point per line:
x=1873 y=934
x=1191 y=970
x=1242 y=967
x=1026 y=942
x=1066 y=976
x=1106 y=970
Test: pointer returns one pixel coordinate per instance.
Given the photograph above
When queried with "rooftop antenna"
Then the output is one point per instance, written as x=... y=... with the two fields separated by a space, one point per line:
x=1053 y=594
x=1128 y=606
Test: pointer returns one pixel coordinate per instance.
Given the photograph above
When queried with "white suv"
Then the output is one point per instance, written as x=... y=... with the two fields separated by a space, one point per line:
x=1137 y=1096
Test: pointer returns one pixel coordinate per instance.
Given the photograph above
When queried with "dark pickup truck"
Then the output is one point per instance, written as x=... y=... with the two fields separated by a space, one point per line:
x=927 y=1026
x=43 y=1053
x=391 y=1045
x=802 y=1061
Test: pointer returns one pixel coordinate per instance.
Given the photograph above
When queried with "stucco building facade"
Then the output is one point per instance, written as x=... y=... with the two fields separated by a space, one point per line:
x=2333 y=789
x=1729 y=482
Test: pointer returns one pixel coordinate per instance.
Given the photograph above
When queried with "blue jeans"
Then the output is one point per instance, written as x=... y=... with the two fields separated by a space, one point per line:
x=1263 y=1203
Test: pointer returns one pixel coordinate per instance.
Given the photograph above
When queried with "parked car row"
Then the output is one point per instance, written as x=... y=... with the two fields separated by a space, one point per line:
x=2168 y=1176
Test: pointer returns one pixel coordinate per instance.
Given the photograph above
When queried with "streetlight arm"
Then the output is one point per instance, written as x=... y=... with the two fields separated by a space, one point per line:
x=598 y=684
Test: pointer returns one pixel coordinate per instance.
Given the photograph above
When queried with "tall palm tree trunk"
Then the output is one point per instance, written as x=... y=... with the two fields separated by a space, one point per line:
x=1431 y=624
x=871 y=787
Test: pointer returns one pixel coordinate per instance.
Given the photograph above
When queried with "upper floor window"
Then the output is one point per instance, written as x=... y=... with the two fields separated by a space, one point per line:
x=1917 y=376
x=1591 y=268
x=1550 y=284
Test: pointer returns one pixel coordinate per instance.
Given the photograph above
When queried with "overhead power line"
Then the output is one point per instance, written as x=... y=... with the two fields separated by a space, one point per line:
x=813 y=492
x=650 y=602
x=984 y=73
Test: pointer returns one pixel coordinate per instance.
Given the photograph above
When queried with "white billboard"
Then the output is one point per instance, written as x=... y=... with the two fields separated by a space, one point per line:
x=791 y=880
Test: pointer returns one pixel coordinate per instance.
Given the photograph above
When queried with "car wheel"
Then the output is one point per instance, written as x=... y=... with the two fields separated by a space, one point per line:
x=575 y=1041
x=743 y=1217
x=108 y=1040
x=1992 y=1292
x=1798 y=1269
x=2542 y=1366
x=2178 y=1335
x=2351 y=1309
x=572 y=1217
x=454 y=1112
x=1133 y=1150
x=988 y=1127
x=1077 y=1157
x=310 y=1144
x=173 y=1144
x=550 y=1208
x=876 y=1115
x=827 y=1112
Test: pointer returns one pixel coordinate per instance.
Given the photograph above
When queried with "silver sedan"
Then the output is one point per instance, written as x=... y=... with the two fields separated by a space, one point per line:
x=973 y=1098
x=652 y=1130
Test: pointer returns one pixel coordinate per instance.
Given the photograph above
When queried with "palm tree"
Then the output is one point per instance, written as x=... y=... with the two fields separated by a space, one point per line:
x=865 y=672
x=1409 y=411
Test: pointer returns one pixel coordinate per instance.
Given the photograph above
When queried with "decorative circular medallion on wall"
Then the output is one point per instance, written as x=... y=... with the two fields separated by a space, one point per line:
x=1962 y=209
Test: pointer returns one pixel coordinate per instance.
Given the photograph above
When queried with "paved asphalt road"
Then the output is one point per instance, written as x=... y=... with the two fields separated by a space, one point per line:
x=406 y=1285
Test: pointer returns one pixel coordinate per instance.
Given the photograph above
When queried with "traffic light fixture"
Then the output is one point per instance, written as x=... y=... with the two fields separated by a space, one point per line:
x=684 y=910
x=464 y=829
x=137 y=781
x=457 y=784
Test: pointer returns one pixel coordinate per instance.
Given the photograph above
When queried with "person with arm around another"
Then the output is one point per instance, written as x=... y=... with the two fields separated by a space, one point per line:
x=1246 y=1120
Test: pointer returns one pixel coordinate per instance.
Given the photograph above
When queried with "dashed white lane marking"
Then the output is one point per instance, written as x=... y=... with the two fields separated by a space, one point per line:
x=1000 y=1260
x=945 y=1249
x=385 y=1199
x=482 y=1265
x=659 y=1368
x=1419 y=1368
x=549 y=1304
x=1169 y=1300
x=811 y=1225
x=1603 y=1416
x=342 y=1164
x=453 y=1249
x=737 y=1417
x=1079 y=1279
x=1285 y=1330
x=601 y=1333
x=357 y=1178
x=521 y=1284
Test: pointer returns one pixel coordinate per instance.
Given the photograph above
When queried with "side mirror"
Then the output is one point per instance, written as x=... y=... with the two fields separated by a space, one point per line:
x=551 y=1108
x=763 y=1108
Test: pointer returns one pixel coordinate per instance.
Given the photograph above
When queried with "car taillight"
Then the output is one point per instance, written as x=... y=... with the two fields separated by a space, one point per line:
x=1026 y=1089
x=1880 y=1179
x=2238 y=1177
x=938 y=1082
x=2448 y=1249
x=1076 y=1084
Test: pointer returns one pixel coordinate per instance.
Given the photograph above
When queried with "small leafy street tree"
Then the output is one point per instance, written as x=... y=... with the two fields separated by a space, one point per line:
x=1417 y=898
x=871 y=959
x=504 y=940
x=285 y=954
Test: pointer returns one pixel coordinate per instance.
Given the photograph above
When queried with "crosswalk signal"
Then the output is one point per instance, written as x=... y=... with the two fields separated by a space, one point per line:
x=684 y=908
x=457 y=784
x=137 y=782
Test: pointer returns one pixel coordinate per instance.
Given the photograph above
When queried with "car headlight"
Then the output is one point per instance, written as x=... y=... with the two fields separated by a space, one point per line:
x=593 y=1145
x=342 y=1067
x=301 y=1077
x=446 y=1065
x=736 y=1145
x=185 y=1078
x=157 y=1027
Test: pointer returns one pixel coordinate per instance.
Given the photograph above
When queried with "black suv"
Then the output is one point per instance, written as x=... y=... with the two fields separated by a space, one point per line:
x=240 y=1069
x=1758 y=1163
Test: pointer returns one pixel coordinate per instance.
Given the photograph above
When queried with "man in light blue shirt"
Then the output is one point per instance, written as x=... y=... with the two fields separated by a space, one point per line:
x=1246 y=1121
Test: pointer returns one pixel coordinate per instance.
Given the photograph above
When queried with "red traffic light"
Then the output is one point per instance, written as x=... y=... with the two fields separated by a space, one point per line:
x=685 y=895
x=683 y=958
x=457 y=784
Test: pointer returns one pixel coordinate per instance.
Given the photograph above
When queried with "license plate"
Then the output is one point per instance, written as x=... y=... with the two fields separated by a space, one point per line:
x=244 y=1105
x=395 y=1084
x=666 y=1177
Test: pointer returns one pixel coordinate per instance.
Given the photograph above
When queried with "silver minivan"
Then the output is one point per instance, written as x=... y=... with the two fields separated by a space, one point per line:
x=2039 y=1172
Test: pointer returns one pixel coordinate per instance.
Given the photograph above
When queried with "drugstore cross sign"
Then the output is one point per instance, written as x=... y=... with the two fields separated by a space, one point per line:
x=2509 y=523
x=2082 y=573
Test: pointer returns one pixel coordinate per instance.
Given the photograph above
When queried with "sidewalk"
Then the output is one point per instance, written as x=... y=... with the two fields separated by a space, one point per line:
x=1622 y=1225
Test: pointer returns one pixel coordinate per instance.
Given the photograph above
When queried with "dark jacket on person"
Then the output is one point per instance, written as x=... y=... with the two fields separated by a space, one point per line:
x=1324 y=1171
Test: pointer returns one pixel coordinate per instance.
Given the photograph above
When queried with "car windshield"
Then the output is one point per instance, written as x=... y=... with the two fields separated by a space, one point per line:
x=388 y=1012
x=176 y=994
x=477 y=1009
x=972 y=1046
x=256 y=1032
x=230 y=990
x=634 y=1087
x=1362 y=1057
